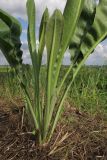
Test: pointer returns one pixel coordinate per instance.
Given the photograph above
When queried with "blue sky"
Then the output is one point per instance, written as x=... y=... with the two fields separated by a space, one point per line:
x=17 y=8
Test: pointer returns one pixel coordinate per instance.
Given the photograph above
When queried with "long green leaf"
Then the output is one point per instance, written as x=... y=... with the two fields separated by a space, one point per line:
x=53 y=42
x=84 y=23
x=42 y=33
x=71 y=15
x=31 y=24
x=32 y=48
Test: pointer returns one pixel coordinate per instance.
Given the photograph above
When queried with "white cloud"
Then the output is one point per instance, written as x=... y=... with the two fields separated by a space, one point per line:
x=99 y=57
x=18 y=7
x=14 y=7
x=24 y=31
x=99 y=48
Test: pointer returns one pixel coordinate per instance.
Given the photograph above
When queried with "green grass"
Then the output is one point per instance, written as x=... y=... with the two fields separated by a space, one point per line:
x=88 y=92
x=4 y=69
x=8 y=85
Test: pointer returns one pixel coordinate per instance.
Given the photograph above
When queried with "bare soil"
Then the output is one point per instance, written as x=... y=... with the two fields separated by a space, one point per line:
x=86 y=136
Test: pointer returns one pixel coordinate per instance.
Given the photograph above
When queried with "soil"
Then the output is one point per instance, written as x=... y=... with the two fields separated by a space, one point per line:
x=85 y=136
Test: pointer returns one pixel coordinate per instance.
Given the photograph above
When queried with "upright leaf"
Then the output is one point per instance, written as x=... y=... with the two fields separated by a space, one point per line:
x=31 y=26
x=32 y=48
x=71 y=15
x=53 y=41
x=42 y=33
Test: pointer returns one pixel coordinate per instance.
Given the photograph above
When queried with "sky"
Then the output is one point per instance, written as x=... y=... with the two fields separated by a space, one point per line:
x=17 y=8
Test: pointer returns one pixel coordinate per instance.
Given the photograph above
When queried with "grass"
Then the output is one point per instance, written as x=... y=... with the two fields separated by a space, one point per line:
x=88 y=92
x=84 y=117
x=3 y=69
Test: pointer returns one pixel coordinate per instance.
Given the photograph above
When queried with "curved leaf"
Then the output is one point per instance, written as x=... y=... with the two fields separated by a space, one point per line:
x=4 y=30
x=96 y=34
x=85 y=21
x=98 y=31
x=10 y=31
x=16 y=28
x=71 y=15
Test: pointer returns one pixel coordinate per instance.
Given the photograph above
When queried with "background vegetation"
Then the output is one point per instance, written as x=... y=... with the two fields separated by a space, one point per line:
x=88 y=92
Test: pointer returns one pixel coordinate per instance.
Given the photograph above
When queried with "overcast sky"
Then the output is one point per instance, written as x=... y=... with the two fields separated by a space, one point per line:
x=17 y=8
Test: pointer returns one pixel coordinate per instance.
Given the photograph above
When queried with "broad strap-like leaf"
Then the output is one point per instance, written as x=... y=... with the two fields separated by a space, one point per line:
x=31 y=35
x=10 y=31
x=31 y=25
x=84 y=23
x=31 y=12
x=53 y=41
x=98 y=31
x=42 y=33
x=71 y=15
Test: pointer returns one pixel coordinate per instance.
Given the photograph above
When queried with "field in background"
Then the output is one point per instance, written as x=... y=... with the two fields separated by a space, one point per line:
x=88 y=92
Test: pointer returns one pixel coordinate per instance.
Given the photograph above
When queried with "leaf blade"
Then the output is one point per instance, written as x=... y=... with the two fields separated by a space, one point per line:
x=53 y=41
x=42 y=33
x=10 y=31
x=85 y=21
x=98 y=29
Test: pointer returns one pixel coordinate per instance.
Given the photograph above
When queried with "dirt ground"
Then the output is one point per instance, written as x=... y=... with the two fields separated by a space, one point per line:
x=86 y=136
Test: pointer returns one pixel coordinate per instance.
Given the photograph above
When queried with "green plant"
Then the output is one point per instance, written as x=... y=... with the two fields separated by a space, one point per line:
x=81 y=27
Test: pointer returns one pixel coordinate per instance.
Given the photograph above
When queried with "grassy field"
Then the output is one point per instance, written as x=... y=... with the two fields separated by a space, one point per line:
x=88 y=92
x=84 y=117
